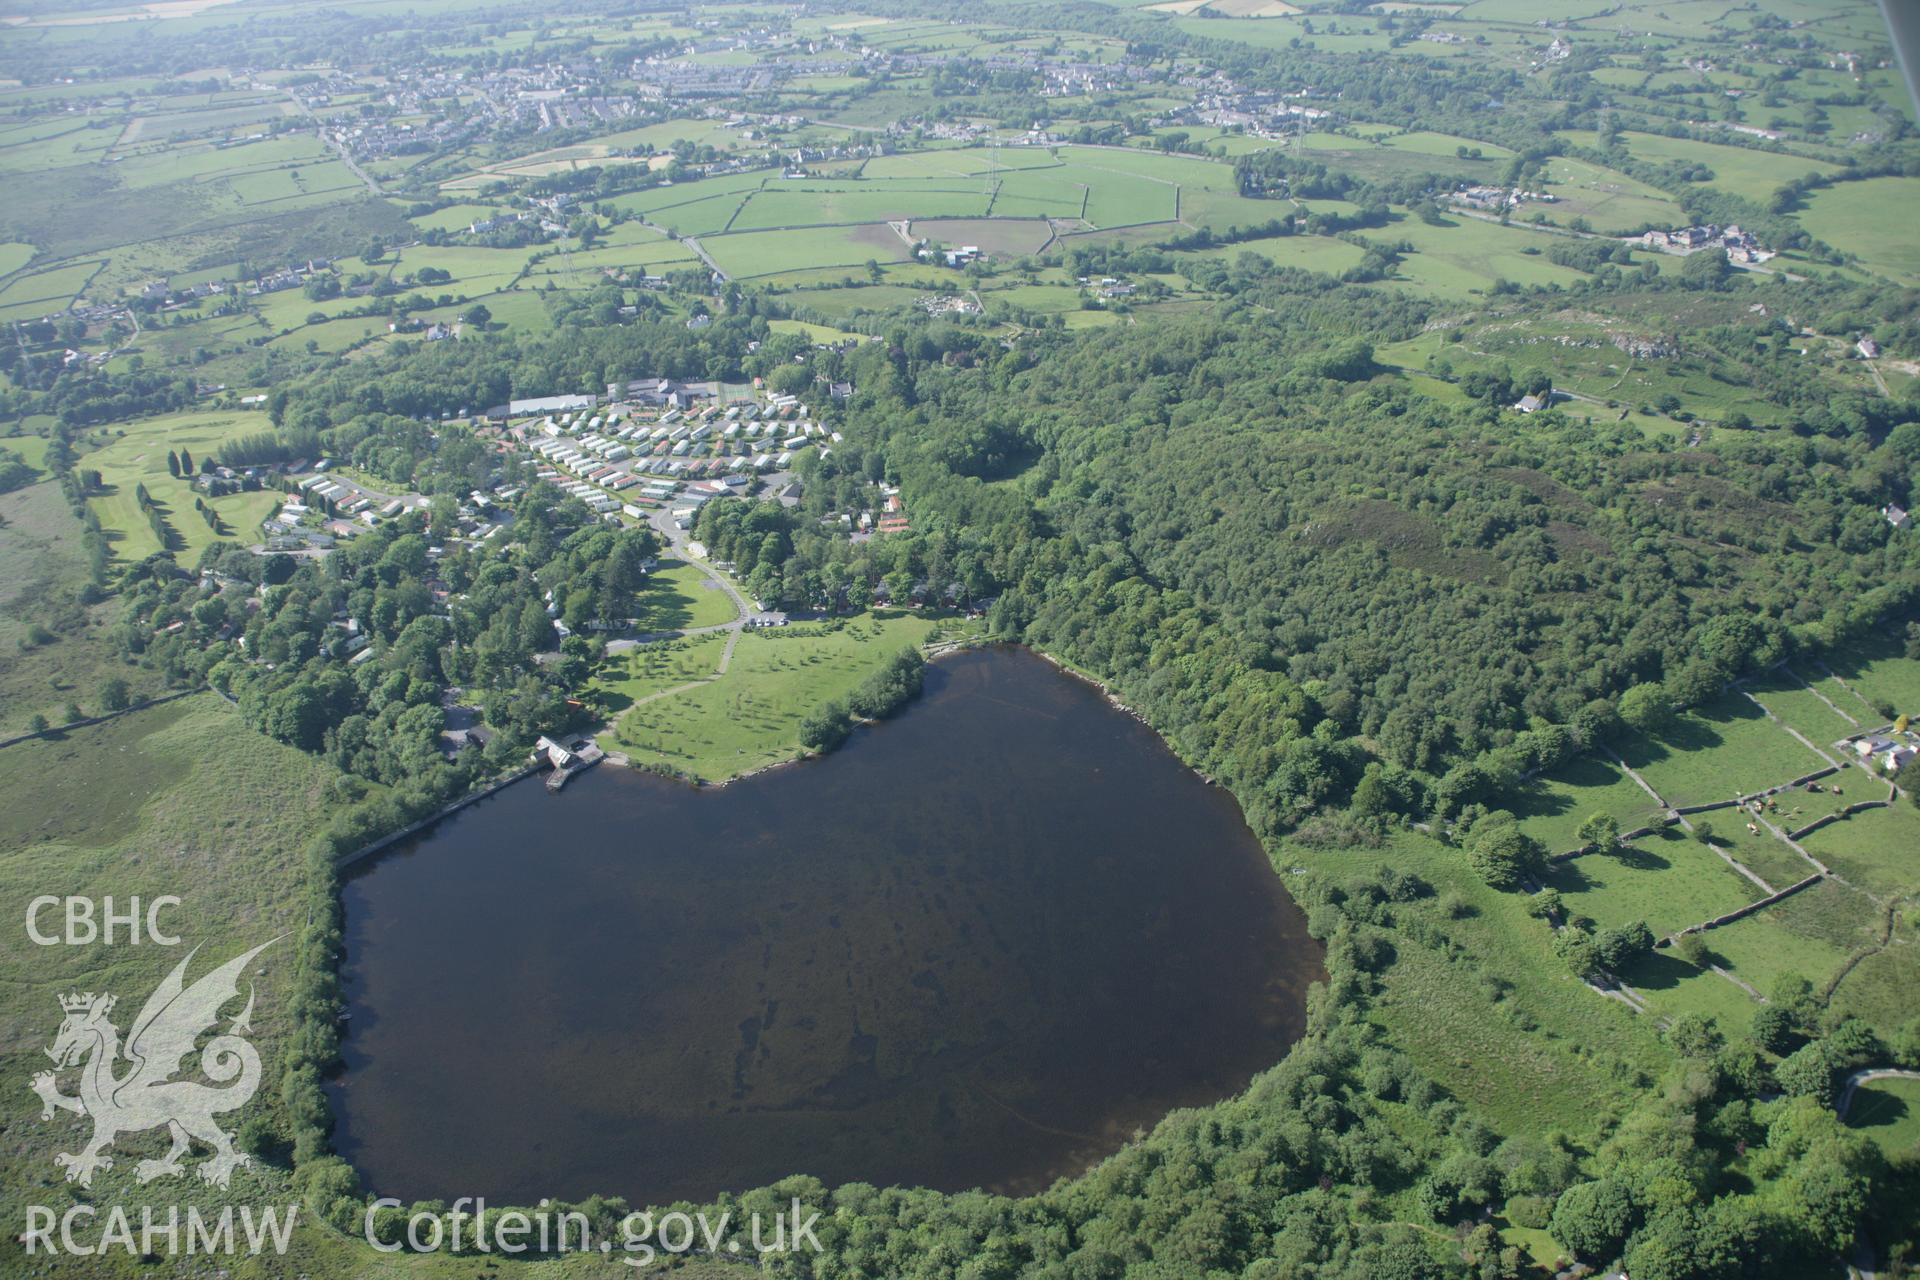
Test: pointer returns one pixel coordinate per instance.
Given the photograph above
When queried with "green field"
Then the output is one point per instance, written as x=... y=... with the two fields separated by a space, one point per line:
x=797 y=207
x=1611 y=202
x=819 y=333
x=43 y=292
x=1877 y=674
x=1554 y=805
x=1810 y=934
x=1725 y=748
x=1856 y=217
x=1469 y=255
x=746 y=254
x=1822 y=721
x=679 y=596
x=1877 y=850
x=750 y=717
x=1308 y=253
x=139 y=456
x=1668 y=880
x=1748 y=172
x=42 y=571
x=455 y=217
x=1672 y=987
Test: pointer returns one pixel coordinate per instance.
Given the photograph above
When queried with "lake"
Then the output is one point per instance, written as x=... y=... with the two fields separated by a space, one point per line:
x=981 y=945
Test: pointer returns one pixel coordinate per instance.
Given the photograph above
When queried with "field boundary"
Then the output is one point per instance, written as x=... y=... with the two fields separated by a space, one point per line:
x=54 y=731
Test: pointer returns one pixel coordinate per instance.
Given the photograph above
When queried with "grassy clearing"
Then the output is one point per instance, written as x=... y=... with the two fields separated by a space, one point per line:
x=1309 y=253
x=1888 y=1111
x=1672 y=987
x=1880 y=987
x=624 y=678
x=751 y=717
x=138 y=455
x=818 y=333
x=1764 y=854
x=1461 y=1013
x=1609 y=200
x=1466 y=256
x=863 y=298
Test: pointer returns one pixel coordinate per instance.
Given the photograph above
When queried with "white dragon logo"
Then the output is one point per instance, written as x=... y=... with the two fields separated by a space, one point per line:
x=147 y=1096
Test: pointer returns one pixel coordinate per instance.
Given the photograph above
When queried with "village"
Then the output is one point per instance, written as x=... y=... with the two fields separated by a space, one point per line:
x=648 y=451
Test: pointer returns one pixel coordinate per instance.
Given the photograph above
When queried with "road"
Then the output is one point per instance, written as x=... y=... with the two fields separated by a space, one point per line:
x=339 y=148
x=678 y=543
x=695 y=245
x=1871 y=1074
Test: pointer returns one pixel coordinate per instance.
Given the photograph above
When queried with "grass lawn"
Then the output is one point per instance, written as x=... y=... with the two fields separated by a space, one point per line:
x=139 y=456
x=1725 y=748
x=751 y=717
x=622 y=679
x=678 y=596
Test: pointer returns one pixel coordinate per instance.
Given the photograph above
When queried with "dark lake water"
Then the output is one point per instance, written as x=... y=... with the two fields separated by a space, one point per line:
x=978 y=946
